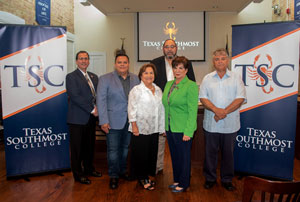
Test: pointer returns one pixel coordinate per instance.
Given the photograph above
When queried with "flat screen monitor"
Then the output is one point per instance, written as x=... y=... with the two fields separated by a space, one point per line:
x=186 y=28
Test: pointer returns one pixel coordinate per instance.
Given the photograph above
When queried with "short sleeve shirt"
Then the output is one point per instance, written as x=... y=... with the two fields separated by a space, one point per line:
x=222 y=92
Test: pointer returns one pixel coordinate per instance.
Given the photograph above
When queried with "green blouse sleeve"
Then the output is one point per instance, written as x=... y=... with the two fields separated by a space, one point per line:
x=192 y=104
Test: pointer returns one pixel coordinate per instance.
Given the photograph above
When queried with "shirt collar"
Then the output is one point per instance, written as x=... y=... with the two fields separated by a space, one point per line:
x=144 y=86
x=184 y=80
x=128 y=75
x=167 y=63
x=84 y=73
x=227 y=74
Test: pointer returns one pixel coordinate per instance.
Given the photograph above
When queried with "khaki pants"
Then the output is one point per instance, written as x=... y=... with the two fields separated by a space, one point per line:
x=160 y=153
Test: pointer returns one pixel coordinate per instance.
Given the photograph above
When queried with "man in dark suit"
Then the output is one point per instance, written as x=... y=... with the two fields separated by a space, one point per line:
x=82 y=112
x=165 y=73
x=112 y=102
x=164 y=67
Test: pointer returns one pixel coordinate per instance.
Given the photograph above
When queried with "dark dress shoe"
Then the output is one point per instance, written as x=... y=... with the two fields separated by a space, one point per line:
x=209 y=184
x=113 y=183
x=96 y=174
x=83 y=180
x=228 y=186
x=159 y=172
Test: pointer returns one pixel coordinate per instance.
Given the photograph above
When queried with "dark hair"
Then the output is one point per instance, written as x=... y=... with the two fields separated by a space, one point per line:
x=180 y=60
x=170 y=40
x=121 y=54
x=144 y=67
x=82 y=52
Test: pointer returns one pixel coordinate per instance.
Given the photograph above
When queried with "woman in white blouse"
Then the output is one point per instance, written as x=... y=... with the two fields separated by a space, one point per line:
x=146 y=118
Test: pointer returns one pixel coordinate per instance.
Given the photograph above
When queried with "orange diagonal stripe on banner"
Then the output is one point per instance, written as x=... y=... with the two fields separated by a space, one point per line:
x=264 y=44
x=264 y=103
x=20 y=51
x=34 y=104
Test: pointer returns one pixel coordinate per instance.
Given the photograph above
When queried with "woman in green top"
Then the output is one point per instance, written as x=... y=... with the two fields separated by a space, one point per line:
x=180 y=99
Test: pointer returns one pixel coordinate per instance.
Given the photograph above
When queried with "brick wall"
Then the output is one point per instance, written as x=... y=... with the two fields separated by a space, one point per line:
x=62 y=11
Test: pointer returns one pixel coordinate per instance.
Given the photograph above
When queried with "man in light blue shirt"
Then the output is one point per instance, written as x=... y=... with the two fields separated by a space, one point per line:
x=222 y=92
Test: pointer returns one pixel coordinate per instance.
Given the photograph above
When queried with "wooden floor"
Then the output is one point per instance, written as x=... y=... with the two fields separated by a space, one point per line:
x=62 y=188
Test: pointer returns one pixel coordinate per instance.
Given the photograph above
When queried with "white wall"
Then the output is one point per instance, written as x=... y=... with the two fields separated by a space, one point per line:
x=95 y=32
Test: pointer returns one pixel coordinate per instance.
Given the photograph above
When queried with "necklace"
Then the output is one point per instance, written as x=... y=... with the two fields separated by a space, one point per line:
x=151 y=88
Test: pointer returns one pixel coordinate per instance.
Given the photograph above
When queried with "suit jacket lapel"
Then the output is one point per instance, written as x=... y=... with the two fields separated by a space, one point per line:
x=164 y=71
x=84 y=81
x=176 y=89
x=119 y=84
x=82 y=78
x=173 y=92
x=93 y=79
x=132 y=83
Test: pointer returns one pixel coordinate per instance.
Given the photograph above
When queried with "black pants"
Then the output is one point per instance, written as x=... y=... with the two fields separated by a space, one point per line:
x=82 y=144
x=144 y=155
x=181 y=158
x=213 y=143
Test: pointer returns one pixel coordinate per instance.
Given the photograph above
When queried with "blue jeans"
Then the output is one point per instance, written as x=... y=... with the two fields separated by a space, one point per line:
x=117 y=149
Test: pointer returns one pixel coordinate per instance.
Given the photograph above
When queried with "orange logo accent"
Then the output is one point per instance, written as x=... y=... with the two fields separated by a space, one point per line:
x=266 y=70
x=39 y=72
x=171 y=31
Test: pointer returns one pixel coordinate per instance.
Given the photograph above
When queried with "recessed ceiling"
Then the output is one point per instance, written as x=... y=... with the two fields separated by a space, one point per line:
x=132 y=6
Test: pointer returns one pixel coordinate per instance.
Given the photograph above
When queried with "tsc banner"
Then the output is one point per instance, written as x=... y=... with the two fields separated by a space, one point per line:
x=34 y=102
x=297 y=10
x=267 y=58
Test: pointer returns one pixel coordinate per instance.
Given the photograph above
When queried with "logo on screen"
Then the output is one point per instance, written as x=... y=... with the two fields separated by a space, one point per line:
x=170 y=30
x=263 y=72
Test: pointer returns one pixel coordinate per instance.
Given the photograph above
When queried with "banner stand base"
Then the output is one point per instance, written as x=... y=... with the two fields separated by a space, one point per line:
x=27 y=176
x=59 y=173
x=240 y=175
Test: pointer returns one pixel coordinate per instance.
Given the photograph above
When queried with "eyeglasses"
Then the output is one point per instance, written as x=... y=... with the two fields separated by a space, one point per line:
x=83 y=58
x=166 y=47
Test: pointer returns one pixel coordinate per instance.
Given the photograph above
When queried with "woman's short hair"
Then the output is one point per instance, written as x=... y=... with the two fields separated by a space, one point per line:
x=180 y=60
x=144 y=67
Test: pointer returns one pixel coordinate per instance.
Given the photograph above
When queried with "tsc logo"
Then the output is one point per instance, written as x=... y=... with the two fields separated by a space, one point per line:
x=39 y=72
x=36 y=74
x=171 y=30
x=263 y=73
x=265 y=69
